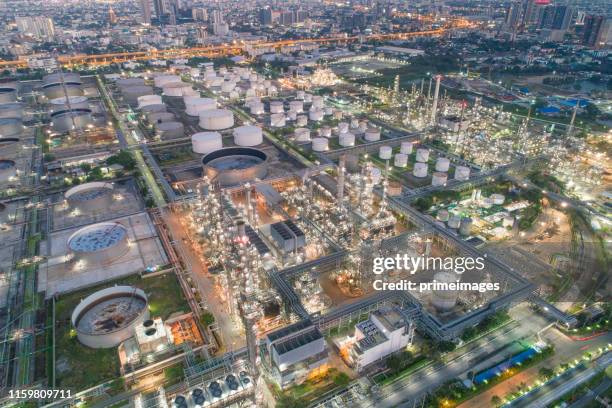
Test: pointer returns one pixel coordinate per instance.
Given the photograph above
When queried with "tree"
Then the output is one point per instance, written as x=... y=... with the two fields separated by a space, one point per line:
x=207 y=319
x=495 y=400
x=546 y=373
x=341 y=379
x=124 y=158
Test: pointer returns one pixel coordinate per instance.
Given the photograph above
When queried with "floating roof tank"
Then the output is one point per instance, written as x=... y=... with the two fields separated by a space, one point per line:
x=99 y=244
x=400 y=160
x=64 y=104
x=146 y=100
x=8 y=170
x=159 y=117
x=372 y=135
x=235 y=165
x=10 y=127
x=442 y=164
x=91 y=197
x=195 y=106
x=11 y=110
x=445 y=300
x=420 y=170
x=422 y=155
x=132 y=93
x=8 y=93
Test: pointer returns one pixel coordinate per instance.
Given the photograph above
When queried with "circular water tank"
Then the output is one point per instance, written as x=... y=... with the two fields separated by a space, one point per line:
x=132 y=93
x=445 y=300
x=346 y=140
x=216 y=119
x=8 y=93
x=110 y=316
x=162 y=80
x=146 y=100
x=301 y=120
x=497 y=199
x=406 y=147
x=315 y=115
x=385 y=152
x=376 y=175
x=159 y=117
x=343 y=127
x=8 y=170
x=195 y=105
x=90 y=197
x=325 y=131
x=176 y=89
x=296 y=106
x=317 y=101
x=420 y=169
x=99 y=244
x=277 y=120
x=11 y=110
x=248 y=135
x=462 y=173
x=61 y=77
x=400 y=160
x=153 y=108
x=206 y=142
x=320 y=144
x=277 y=107
x=257 y=108
x=454 y=221
x=302 y=135
x=465 y=228
x=422 y=155
x=65 y=104
x=442 y=164
x=439 y=178
x=170 y=130
x=372 y=135
x=10 y=127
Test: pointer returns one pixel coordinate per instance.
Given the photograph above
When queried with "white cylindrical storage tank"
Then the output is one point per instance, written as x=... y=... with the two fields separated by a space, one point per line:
x=317 y=101
x=420 y=169
x=257 y=108
x=8 y=170
x=132 y=93
x=354 y=123
x=99 y=244
x=301 y=120
x=248 y=135
x=465 y=228
x=307 y=98
x=320 y=144
x=10 y=127
x=439 y=178
x=8 y=93
x=445 y=300
x=72 y=102
x=385 y=152
x=162 y=80
x=376 y=175
x=91 y=197
x=155 y=108
x=300 y=95
x=406 y=147
x=216 y=119
x=277 y=107
x=442 y=164
x=159 y=117
x=11 y=110
x=497 y=199
x=400 y=160
x=291 y=115
x=250 y=93
x=442 y=215
x=148 y=100
x=170 y=130
x=422 y=155
x=302 y=135
x=277 y=120
x=206 y=142
x=508 y=221
x=454 y=221
x=316 y=115
x=462 y=173
x=227 y=86
x=346 y=139
x=372 y=135
x=176 y=89
x=272 y=91
x=325 y=131
x=343 y=127
x=296 y=106
x=267 y=83
x=110 y=316
x=77 y=119
x=363 y=126
x=195 y=106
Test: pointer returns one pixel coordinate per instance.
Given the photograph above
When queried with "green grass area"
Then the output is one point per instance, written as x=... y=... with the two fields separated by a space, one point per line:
x=414 y=365
x=79 y=367
x=302 y=394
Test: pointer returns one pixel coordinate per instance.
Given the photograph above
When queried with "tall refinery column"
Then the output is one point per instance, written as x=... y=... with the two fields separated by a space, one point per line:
x=434 y=107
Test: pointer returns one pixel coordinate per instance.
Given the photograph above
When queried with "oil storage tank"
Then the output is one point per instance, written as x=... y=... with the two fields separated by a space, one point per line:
x=73 y=119
x=90 y=197
x=11 y=110
x=216 y=119
x=248 y=135
x=159 y=117
x=146 y=100
x=206 y=142
x=197 y=105
x=320 y=144
x=62 y=84
x=445 y=300
x=170 y=130
x=10 y=127
x=235 y=165
x=110 y=316
x=132 y=93
x=64 y=104
x=8 y=93
x=127 y=82
x=177 y=89
x=98 y=244
x=153 y=108
x=8 y=170
x=161 y=80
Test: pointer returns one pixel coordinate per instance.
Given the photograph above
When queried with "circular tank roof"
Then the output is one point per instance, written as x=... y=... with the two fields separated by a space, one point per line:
x=6 y=164
x=234 y=158
x=97 y=237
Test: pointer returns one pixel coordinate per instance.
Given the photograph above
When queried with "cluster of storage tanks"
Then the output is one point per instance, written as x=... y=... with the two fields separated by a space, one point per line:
x=68 y=108
x=11 y=128
x=421 y=166
x=455 y=221
x=214 y=391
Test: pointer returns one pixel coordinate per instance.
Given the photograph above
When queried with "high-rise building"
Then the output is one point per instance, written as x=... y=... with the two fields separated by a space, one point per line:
x=145 y=6
x=40 y=28
x=556 y=17
x=265 y=16
x=112 y=17
x=162 y=8
x=513 y=16
x=597 y=31
x=199 y=14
